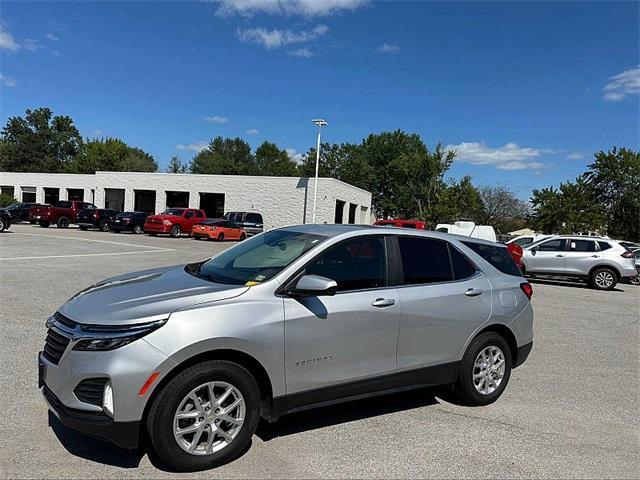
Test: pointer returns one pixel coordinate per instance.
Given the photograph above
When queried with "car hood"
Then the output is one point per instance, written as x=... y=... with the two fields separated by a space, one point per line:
x=144 y=296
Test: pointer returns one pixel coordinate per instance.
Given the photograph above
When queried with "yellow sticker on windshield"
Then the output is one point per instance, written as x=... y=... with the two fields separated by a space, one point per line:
x=251 y=283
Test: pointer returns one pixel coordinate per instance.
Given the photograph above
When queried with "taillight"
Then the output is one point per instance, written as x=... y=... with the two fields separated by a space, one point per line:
x=96 y=215
x=627 y=254
x=527 y=289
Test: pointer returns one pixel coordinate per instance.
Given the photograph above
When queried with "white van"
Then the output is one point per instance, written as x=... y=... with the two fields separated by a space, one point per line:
x=468 y=229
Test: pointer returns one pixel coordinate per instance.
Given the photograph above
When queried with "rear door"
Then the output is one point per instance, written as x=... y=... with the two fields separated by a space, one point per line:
x=547 y=257
x=349 y=337
x=443 y=299
x=581 y=255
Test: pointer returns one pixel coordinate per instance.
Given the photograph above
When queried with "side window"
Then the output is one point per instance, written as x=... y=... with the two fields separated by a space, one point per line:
x=604 y=245
x=552 y=246
x=424 y=260
x=462 y=266
x=199 y=214
x=498 y=257
x=355 y=265
x=524 y=241
x=254 y=218
x=188 y=214
x=63 y=204
x=582 y=245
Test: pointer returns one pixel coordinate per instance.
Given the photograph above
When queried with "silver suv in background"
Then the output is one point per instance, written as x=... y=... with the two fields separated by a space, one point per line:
x=192 y=356
x=602 y=262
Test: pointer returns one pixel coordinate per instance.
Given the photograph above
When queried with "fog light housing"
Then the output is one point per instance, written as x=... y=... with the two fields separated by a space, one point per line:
x=107 y=399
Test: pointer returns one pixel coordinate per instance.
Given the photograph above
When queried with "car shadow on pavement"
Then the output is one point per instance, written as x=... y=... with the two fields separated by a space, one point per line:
x=93 y=449
x=566 y=283
x=347 y=412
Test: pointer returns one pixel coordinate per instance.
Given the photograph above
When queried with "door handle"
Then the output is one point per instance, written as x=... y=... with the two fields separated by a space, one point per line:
x=383 y=302
x=473 y=292
x=559 y=256
x=595 y=256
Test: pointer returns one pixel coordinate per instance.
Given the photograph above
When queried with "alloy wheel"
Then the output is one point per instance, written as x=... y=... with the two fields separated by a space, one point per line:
x=604 y=279
x=209 y=418
x=488 y=370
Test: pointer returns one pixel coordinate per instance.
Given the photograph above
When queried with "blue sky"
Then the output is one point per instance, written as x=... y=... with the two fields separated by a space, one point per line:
x=526 y=92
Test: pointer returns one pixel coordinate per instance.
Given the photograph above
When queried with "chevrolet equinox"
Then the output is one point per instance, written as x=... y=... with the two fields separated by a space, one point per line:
x=192 y=356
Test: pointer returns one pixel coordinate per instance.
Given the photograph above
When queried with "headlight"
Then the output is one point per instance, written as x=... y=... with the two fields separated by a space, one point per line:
x=103 y=338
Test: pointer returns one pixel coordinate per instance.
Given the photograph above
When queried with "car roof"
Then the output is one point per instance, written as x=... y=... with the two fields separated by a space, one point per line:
x=334 y=230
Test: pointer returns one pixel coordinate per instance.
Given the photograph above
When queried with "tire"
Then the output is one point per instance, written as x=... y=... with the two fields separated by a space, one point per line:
x=137 y=229
x=221 y=237
x=3 y=225
x=84 y=229
x=44 y=224
x=161 y=420
x=466 y=389
x=104 y=226
x=243 y=236
x=175 y=231
x=63 y=222
x=603 y=278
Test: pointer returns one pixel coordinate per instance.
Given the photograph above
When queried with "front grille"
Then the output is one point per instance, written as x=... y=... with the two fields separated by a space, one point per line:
x=91 y=390
x=54 y=346
x=67 y=322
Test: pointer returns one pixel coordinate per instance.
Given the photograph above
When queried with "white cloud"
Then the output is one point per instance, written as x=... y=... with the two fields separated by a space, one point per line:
x=294 y=155
x=216 y=119
x=52 y=37
x=97 y=133
x=7 y=42
x=388 y=48
x=271 y=39
x=194 y=147
x=508 y=157
x=301 y=53
x=7 y=81
x=305 y=8
x=622 y=84
x=252 y=131
x=575 y=156
x=32 y=45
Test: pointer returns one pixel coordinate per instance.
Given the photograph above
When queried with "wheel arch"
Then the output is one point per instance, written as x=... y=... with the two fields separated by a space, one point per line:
x=506 y=333
x=605 y=265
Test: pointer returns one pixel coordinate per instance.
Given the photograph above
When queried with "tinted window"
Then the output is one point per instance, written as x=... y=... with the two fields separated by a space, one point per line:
x=253 y=218
x=552 y=246
x=174 y=211
x=497 y=256
x=63 y=204
x=523 y=241
x=604 y=245
x=462 y=266
x=88 y=205
x=582 y=245
x=356 y=264
x=424 y=260
x=199 y=214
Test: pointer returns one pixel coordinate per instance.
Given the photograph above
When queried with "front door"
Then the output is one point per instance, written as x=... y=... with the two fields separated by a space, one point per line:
x=349 y=337
x=547 y=257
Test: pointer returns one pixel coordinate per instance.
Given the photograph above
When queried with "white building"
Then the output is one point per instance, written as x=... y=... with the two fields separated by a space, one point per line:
x=280 y=200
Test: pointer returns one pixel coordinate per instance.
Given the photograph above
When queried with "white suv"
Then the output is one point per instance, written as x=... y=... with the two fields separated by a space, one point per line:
x=601 y=261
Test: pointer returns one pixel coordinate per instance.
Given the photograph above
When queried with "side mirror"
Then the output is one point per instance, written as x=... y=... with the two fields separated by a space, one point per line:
x=534 y=250
x=313 y=286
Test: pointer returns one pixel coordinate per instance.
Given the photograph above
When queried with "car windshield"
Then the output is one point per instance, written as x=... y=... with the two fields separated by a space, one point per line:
x=174 y=211
x=258 y=259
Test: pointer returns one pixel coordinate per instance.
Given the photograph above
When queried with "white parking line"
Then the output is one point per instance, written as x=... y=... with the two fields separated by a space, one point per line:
x=93 y=240
x=156 y=250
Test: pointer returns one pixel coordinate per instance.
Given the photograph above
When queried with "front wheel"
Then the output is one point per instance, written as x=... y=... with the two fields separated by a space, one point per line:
x=44 y=224
x=484 y=371
x=63 y=222
x=137 y=229
x=221 y=237
x=205 y=416
x=603 y=279
x=104 y=226
x=243 y=236
x=175 y=231
x=3 y=225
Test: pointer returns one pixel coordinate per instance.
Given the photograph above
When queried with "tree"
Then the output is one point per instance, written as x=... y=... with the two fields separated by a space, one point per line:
x=614 y=180
x=457 y=200
x=272 y=161
x=113 y=155
x=502 y=209
x=225 y=156
x=334 y=161
x=6 y=200
x=39 y=142
x=176 y=166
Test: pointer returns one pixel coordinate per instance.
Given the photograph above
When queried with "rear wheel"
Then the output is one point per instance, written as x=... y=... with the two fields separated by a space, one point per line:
x=104 y=226
x=44 y=224
x=3 y=225
x=603 y=278
x=205 y=416
x=243 y=236
x=485 y=370
x=63 y=222
x=221 y=237
x=137 y=229
x=175 y=231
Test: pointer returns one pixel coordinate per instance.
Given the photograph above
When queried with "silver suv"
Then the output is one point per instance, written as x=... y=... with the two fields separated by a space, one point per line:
x=601 y=261
x=192 y=356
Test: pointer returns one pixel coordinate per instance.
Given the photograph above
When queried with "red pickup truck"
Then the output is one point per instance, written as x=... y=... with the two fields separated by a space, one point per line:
x=61 y=213
x=174 y=221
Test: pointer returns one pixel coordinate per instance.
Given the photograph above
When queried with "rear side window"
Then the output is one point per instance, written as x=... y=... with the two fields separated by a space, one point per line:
x=462 y=266
x=582 y=245
x=63 y=205
x=604 y=245
x=199 y=214
x=498 y=257
x=424 y=260
x=253 y=218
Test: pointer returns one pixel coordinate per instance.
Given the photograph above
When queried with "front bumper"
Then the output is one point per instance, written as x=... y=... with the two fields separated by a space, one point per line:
x=94 y=424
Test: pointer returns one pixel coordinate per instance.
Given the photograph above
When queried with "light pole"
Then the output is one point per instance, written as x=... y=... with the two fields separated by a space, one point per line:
x=320 y=123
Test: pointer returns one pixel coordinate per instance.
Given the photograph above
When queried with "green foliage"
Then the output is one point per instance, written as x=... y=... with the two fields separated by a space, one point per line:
x=113 y=155
x=6 y=200
x=225 y=156
x=176 y=166
x=38 y=142
x=272 y=161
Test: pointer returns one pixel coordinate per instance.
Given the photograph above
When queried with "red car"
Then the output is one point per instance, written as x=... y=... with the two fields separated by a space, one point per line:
x=218 y=229
x=174 y=221
x=61 y=213
x=516 y=253
x=416 y=224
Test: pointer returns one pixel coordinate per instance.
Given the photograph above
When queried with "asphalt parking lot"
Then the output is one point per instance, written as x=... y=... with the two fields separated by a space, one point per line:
x=570 y=411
